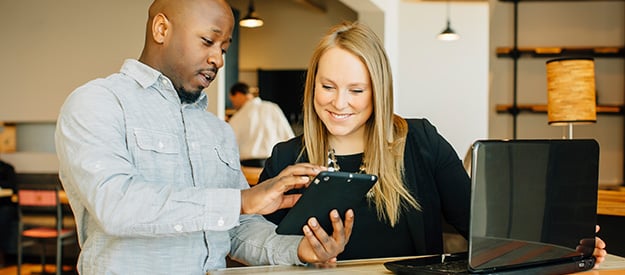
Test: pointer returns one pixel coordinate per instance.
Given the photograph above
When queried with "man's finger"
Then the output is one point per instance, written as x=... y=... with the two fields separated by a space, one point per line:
x=289 y=200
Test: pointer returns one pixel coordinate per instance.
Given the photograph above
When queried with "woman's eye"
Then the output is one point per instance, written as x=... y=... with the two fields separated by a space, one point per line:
x=357 y=91
x=326 y=87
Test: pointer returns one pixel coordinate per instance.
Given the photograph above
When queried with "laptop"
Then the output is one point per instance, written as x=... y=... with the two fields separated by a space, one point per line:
x=533 y=202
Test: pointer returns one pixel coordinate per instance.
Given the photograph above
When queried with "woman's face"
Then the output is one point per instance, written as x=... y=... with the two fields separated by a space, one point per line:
x=343 y=95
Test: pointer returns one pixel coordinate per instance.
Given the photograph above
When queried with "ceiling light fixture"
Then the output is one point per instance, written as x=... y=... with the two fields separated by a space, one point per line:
x=251 y=20
x=448 y=34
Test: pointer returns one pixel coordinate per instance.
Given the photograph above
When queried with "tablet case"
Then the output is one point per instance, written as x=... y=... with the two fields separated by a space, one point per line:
x=327 y=191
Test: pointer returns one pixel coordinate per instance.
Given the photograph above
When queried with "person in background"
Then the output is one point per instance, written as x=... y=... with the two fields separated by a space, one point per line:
x=349 y=124
x=257 y=124
x=154 y=179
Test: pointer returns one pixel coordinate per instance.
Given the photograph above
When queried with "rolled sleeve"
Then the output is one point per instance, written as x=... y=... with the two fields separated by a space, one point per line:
x=255 y=242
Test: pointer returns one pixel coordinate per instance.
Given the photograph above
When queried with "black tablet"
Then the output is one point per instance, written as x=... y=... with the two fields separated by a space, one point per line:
x=327 y=191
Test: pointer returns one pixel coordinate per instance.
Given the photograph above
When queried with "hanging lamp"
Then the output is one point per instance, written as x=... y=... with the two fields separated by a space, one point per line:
x=448 y=33
x=251 y=20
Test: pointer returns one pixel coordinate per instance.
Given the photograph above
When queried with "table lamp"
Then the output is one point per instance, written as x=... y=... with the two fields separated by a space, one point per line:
x=571 y=92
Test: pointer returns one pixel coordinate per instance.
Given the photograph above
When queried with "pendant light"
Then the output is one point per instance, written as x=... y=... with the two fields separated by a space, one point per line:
x=251 y=20
x=448 y=34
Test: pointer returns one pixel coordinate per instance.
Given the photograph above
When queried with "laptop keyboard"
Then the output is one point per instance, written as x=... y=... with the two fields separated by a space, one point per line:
x=448 y=267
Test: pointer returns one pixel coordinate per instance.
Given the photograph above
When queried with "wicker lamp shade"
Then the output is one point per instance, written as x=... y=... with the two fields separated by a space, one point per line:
x=571 y=91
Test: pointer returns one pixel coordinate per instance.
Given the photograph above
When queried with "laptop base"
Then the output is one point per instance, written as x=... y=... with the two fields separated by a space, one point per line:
x=458 y=264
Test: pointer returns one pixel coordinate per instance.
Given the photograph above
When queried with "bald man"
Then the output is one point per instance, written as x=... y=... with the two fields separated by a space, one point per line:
x=154 y=179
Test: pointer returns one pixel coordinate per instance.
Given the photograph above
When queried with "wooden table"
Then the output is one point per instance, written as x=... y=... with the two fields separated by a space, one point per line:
x=612 y=266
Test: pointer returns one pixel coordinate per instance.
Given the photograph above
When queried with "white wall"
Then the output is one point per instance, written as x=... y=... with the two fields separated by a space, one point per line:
x=445 y=81
x=50 y=47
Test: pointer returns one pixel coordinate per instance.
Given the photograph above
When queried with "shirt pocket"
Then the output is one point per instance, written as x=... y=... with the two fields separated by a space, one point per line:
x=225 y=167
x=228 y=157
x=157 y=154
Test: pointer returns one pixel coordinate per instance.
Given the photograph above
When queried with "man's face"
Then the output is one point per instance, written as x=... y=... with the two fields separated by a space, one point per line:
x=238 y=99
x=195 y=46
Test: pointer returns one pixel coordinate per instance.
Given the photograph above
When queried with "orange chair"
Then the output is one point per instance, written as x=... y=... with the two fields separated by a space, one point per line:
x=41 y=202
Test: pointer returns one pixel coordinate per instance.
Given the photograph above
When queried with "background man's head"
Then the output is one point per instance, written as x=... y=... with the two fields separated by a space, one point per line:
x=240 y=94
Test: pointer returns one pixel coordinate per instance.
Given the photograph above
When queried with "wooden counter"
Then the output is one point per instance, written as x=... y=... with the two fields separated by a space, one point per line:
x=613 y=265
x=611 y=202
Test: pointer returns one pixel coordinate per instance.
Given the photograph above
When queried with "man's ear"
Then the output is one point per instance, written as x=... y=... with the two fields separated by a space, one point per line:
x=160 y=28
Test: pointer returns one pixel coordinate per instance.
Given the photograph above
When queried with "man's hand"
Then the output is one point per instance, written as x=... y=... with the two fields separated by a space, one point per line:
x=317 y=247
x=268 y=196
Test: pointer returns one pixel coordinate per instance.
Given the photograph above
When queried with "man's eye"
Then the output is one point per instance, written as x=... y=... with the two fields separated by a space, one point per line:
x=207 y=41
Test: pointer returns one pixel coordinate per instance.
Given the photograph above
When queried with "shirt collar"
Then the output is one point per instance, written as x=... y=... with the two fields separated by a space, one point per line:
x=147 y=76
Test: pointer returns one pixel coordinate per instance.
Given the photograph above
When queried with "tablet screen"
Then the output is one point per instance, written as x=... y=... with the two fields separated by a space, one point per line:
x=327 y=191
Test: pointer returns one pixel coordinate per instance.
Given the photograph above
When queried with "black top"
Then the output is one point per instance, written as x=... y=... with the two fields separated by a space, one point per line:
x=434 y=175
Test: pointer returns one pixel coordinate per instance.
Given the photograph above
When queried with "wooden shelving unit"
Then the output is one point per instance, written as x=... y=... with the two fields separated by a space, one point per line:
x=542 y=108
x=616 y=52
x=515 y=52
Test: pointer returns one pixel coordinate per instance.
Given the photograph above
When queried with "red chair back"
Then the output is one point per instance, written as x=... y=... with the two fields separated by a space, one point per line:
x=37 y=197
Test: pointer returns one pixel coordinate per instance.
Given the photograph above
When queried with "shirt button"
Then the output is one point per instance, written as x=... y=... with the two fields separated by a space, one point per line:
x=164 y=81
x=161 y=145
x=178 y=228
x=220 y=222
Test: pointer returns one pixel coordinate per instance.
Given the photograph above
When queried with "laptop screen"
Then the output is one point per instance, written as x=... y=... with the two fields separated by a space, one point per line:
x=533 y=201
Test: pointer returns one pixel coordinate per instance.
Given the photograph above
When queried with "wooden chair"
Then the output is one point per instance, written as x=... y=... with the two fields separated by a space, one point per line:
x=41 y=202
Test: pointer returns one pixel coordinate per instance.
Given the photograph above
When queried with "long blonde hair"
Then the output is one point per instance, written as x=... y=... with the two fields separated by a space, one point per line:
x=385 y=132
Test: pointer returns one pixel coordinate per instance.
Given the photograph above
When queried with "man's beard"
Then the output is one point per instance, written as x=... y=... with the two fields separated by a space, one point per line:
x=187 y=96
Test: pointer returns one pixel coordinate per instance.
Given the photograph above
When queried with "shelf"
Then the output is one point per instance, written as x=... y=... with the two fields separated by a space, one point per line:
x=614 y=52
x=541 y=108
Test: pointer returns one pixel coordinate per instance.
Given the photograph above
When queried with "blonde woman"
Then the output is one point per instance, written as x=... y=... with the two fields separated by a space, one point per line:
x=349 y=124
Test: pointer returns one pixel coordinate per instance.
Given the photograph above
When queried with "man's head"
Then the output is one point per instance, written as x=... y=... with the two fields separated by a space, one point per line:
x=239 y=94
x=186 y=40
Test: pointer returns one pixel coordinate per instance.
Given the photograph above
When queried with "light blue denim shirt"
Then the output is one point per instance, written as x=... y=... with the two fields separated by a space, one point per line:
x=155 y=184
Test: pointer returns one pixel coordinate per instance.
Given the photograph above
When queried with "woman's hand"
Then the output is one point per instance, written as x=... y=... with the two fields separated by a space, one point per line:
x=599 y=251
x=317 y=247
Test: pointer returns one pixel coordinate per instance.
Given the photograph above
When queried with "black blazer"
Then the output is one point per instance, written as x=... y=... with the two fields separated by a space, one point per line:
x=434 y=175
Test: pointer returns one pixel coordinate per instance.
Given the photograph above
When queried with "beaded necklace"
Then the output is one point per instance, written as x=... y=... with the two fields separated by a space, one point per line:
x=333 y=165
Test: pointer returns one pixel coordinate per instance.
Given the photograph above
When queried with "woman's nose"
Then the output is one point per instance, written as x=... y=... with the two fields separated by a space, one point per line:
x=341 y=100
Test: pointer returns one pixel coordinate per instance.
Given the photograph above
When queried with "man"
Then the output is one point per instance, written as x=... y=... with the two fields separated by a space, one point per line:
x=258 y=125
x=154 y=179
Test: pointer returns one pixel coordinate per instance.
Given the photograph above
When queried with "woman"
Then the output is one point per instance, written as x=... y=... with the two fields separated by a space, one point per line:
x=348 y=109
x=349 y=123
